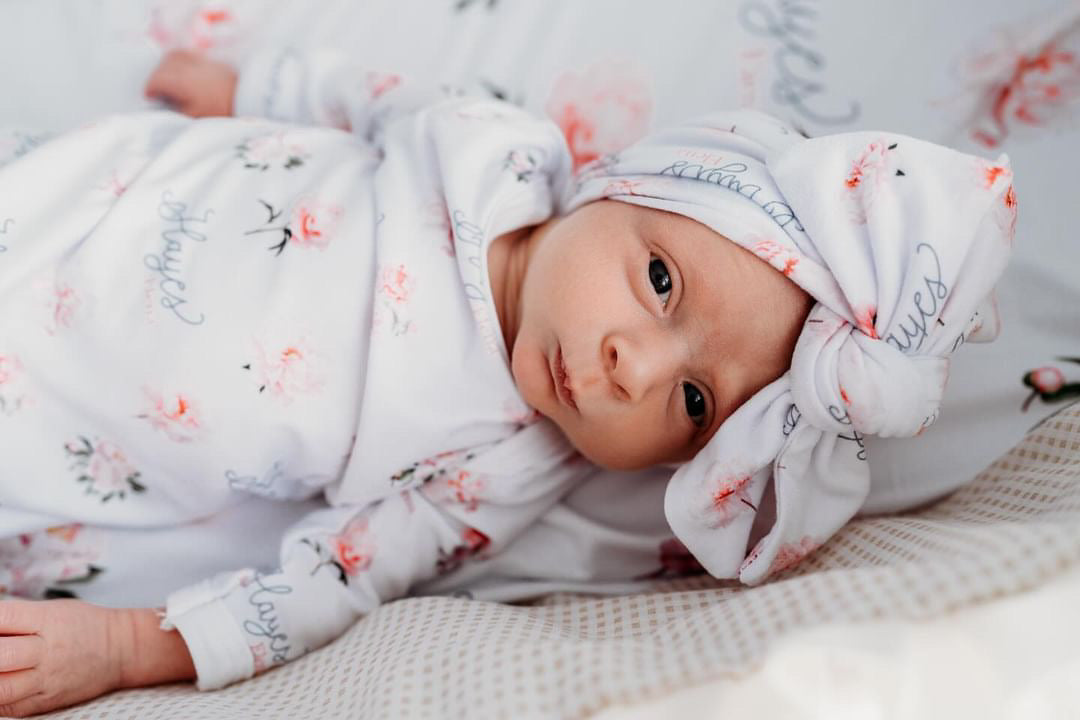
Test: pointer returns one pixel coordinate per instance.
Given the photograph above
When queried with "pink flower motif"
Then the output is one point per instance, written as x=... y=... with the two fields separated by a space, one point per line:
x=260 y=655
x=1023 y=87
x=1047 y=380
x=602 y=110
x=437 y=216
x=62 y=304
x=458 y=486
x=314 y=224
x=622 y=187
x=867 y=173
x=32 y=563
x=396 y=284
x=473 y=542
x=730 y=497
x=379 y=83
x=1006 y=214
x=109 y=467
x=791 y=554
x=865 y=319
x=12 y=391
x=778 y=256
x=10 y=369
x=271 y=150
x=354 y=547
x=172 y=413
x=287 y=370
x=176 y=25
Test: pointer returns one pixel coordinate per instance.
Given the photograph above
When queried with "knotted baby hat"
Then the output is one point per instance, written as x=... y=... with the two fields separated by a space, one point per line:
x=900 y=242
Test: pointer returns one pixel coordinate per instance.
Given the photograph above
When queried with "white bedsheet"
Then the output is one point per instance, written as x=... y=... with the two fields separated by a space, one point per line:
x=1016 y=658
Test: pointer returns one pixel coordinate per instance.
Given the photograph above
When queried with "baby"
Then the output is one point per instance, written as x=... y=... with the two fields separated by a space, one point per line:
x=435 y=322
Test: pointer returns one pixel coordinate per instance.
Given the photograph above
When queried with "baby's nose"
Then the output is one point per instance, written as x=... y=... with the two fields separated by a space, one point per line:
x=634 y=366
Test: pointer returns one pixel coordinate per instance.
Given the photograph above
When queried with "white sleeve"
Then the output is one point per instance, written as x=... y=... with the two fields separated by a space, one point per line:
x=327 y=87
x=340 y=563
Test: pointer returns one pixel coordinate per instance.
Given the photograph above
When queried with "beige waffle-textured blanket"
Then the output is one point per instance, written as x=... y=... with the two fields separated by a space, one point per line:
x=1016 y=525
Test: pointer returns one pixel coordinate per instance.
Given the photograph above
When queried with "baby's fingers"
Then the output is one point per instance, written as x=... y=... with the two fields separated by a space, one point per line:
x=16 y=689
x=19 y=652
x=168 y=81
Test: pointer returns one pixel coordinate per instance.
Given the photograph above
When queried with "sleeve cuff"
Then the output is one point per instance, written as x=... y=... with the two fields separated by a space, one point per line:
x=266 y=85
x=218 y=649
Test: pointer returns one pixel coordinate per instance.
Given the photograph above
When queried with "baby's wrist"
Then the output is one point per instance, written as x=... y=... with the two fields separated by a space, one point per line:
x=146 y=654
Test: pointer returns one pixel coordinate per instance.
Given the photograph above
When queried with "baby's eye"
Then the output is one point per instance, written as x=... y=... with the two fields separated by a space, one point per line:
x=695 y=404
x=660 y=278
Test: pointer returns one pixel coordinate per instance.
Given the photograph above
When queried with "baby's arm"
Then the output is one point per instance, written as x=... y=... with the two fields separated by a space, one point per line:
x=314 y=87
x=341 y=563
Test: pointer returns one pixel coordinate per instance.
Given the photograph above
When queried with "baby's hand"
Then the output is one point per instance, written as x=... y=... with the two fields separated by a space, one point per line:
x=193 y=84
x=56 y=653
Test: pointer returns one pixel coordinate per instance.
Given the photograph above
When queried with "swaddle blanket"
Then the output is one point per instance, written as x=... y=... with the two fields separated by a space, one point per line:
x=900 y=241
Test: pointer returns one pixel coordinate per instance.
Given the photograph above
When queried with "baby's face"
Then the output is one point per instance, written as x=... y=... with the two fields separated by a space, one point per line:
x=655 y=327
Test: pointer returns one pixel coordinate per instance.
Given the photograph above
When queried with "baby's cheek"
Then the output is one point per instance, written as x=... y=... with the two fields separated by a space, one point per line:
x=614 y=446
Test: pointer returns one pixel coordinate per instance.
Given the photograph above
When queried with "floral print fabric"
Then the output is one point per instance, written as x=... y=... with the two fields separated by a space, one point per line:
x=899 y=241
x=206 y=309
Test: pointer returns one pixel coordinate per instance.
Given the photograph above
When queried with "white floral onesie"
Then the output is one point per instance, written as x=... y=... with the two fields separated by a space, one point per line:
x=193 y=311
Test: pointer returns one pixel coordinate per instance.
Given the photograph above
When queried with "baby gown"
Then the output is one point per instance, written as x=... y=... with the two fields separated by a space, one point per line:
x=192 y=311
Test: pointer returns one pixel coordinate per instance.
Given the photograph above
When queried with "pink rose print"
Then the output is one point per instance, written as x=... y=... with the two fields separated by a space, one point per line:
x=12 y=394
x=868 y=171
x=311 y=224
x=1004 y=213
x=730 y=497
x=1046 y=380
x=103 y=468
x=1009 y=201
x=436 y=466
x=180 y=25
x=437 y=216
x=379 y=83
x=260 y=655
x=458 y=486
x=866 y=319
x=601 y=167
x=114 y=185
x=1049 y=384
x=48 y=563
x=772 y=252
x=622 y=187
x=524 y=162
x=394 y=286
x=62 y=304
x=602 y=110
x=314 y=224
x=287 y=370
x=350 y=552
x=791 y=554
x=353 y=549
x=1021 y=84
x=173 y=414
x=276 y=149
x=472 y=543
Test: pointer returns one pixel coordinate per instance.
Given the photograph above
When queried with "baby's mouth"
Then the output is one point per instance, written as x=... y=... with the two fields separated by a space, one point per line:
x=562 y=381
